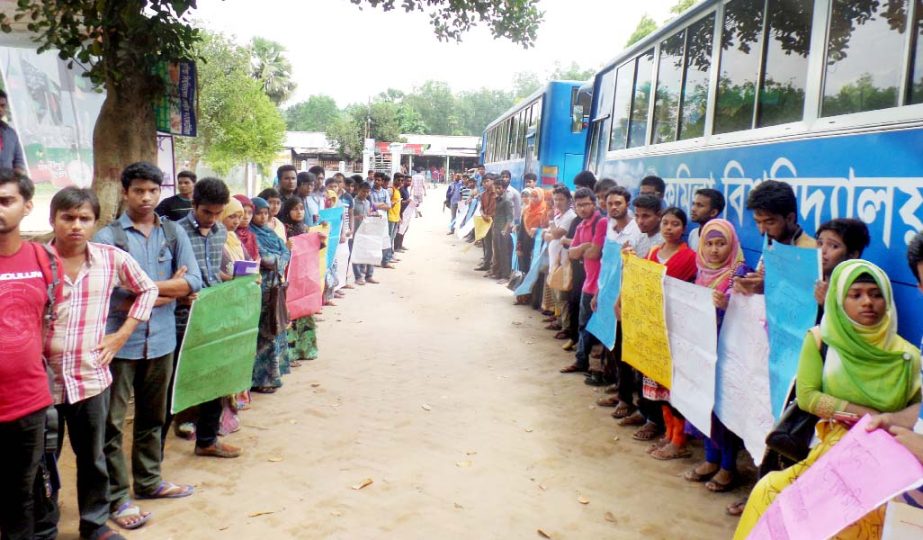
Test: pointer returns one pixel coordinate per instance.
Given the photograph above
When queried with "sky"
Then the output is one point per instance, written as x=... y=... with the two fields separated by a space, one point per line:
x=351 y=54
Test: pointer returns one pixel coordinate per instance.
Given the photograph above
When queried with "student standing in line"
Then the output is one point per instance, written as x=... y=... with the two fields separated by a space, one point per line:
x=208 y=238
x=362 y=208
x=839 y=240
x=302 y=335
x=707 y=204
x=288 y=181
x=564 y=216
x=27 y=297
x=176 y=207
x=144 y=364
x=274 y=199
x=305 y=191
x=586 y=247
x=503 y=223
x=79 y=350
x=488 y=207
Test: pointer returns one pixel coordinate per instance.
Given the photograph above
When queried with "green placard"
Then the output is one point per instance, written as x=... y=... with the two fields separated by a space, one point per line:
x=218 y=350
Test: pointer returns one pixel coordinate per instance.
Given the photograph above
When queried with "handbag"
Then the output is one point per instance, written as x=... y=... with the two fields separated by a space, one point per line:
x=278 y=312
x=792 y=434
x=561 y=279
x=515 y=281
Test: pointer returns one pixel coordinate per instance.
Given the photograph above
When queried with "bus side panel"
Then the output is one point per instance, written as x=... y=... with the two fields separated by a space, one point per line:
x=557 y=140
x=573 y=164
x=875 y=177
x=517 y=168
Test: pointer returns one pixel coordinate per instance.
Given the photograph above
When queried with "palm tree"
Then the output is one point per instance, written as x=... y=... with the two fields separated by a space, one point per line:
x=269 y=65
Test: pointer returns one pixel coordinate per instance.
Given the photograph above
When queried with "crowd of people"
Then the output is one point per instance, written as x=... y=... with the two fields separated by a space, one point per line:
x=108 y=306
x=851 y=364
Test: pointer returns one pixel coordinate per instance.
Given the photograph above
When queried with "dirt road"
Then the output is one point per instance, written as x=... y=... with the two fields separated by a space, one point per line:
x=447 y=397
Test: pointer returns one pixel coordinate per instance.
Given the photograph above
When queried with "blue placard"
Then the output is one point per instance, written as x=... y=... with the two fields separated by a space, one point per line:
x=333 y=216
x=602 y=323
x=514 y=265
x=538 y=250
x=790 y=312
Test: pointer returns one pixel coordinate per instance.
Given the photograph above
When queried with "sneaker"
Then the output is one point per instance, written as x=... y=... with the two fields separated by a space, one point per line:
x=219 y=450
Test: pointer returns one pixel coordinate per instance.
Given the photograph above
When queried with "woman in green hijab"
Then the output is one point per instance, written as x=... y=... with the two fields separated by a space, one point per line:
x=868 y=369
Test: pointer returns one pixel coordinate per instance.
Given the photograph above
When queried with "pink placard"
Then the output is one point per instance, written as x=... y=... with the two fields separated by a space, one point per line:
x=856 y=476
x=305 y=290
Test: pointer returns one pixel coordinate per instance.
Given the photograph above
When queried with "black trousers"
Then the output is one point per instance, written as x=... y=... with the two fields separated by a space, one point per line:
x=488 y=242
x=21 y=449
x=85 y=422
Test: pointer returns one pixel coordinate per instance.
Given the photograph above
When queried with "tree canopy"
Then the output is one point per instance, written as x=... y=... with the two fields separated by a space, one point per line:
x=314 y=114
x=238 y=122
x=271 y=67
x=516 y=20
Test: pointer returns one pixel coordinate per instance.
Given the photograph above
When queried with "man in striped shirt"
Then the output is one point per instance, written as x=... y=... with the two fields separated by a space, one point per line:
x=79 y=350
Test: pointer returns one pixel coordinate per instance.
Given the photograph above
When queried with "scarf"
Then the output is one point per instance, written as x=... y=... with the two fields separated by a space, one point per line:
x=243 y=232
x=270 y=244
x=232 y=245
x=877 y=368
x=680 y=265
x=718 y=276
x=536 y=213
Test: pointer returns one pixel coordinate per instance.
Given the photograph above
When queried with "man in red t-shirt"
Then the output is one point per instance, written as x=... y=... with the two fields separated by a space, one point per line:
x=24 y=394
x=588 y=247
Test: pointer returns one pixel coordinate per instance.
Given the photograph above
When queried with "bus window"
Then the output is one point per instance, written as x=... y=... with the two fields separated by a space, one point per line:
x=786 y=62
x=581 y=99
x=858 y=76
x=537 y=120
x=669 y=80
x=603 y=119
x=741 y=46
x=637 y=126
x=699 y=39
x=621 y=111
x=915 y=93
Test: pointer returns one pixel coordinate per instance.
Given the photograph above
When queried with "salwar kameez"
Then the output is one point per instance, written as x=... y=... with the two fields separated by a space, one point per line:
x=302 y=339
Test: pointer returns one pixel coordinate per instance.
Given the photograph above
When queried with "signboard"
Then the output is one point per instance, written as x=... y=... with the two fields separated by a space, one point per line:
x=176 y=112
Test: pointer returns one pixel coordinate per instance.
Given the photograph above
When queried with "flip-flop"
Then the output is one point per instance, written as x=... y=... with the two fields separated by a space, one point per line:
x=719 y=487
x=128 y=510
x=622 y=410
x=660 y=455
x=105 y=533
x=648 y=432
x=736 y=508
x=692 y=476
x=163 y=491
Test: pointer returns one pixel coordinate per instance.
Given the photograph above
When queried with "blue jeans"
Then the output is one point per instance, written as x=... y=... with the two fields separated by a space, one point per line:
x=586 y=340
x=365 y=271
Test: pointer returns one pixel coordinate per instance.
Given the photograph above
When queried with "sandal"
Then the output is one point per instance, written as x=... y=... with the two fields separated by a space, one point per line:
x=669 y=451
x=648 y=432
x=168 y=490
x=622 y=410
x=562 y=335
x=633 y=419
x=573 y=368
x=129 y=516
x=736 y=508
x=721 y=487
x=610 y=401
x=692 y=475
x=105 y=533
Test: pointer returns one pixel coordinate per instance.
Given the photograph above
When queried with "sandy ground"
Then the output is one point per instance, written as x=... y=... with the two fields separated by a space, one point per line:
x=445 y=395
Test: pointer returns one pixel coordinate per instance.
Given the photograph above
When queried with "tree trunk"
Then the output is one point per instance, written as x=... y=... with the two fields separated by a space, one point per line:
x=125 y=132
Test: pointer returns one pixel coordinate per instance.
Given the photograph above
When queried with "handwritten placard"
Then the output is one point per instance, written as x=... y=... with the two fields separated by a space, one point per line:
x=645 y=345
x=791 y=311
x=742 y=396
x=692 y=326
x=857 y=475
x=602 y=323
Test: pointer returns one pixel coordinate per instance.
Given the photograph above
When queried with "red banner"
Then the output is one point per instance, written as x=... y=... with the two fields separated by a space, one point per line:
x=305 y=289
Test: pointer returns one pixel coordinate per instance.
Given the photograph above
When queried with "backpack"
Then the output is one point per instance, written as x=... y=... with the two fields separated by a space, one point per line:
x=48 y=262
x=120 y=237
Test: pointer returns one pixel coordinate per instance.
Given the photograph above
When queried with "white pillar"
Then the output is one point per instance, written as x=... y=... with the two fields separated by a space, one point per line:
x=410 y=163
x=396 y=157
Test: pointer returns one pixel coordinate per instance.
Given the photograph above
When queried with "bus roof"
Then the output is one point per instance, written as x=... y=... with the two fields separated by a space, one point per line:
x=668 y=28
x=530 y=98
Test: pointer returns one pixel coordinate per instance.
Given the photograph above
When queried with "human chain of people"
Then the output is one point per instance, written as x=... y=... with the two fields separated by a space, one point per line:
x=808 y=336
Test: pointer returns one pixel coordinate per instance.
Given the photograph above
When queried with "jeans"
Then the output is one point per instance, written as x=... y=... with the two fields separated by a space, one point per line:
x=586 y=340
x=388 y=254
x=86 y=425
x=363 y=271
x=20 y=452
x=149 y=379
x=454 y=208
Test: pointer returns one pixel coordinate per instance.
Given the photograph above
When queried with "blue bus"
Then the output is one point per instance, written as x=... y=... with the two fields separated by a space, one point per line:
x=826 y=95
x=544 y=134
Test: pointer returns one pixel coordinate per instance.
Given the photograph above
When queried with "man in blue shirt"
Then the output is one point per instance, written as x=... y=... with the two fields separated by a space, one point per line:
x=144 y=364
x=10 y=150
x=453 y=196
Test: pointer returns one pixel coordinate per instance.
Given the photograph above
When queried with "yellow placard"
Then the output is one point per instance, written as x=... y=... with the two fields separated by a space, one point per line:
x=481 y=226
x=324 y=230
x=645 y=344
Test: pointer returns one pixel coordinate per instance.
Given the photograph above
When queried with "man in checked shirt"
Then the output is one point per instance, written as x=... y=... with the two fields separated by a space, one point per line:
x=79 y=350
